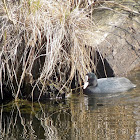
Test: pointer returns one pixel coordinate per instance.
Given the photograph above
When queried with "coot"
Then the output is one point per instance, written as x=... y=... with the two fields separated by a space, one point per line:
x=106 y=85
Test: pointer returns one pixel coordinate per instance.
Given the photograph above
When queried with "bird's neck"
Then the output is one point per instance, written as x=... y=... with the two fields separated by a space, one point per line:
x=95 y=84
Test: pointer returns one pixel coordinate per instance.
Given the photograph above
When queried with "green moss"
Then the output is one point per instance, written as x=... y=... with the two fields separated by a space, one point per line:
x=23 y=106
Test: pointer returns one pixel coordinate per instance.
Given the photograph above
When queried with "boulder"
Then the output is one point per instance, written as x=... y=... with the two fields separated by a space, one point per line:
x=117 y=40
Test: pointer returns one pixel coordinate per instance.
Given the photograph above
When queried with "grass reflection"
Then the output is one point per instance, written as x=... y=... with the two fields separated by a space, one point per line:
x=26 y=120
x=102 y=122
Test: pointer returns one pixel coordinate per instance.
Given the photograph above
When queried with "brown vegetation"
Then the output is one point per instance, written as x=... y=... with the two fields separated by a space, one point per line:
x=52 y=34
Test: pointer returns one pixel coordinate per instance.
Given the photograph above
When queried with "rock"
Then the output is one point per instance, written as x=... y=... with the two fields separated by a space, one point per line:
x=118 y=39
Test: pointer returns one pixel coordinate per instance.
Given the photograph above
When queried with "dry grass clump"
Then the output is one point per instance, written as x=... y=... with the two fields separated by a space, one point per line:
x=49 y=30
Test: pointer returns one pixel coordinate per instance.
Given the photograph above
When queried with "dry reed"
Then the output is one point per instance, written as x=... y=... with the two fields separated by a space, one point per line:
x=55 y=30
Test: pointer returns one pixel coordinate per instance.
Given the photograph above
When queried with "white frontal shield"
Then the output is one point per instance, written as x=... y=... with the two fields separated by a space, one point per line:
x=86 y=82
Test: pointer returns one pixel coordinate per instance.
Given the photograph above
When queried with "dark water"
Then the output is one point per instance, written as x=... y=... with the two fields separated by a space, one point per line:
x=114 y=117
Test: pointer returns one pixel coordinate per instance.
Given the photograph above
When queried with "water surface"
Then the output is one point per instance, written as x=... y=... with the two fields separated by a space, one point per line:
x=111 y=117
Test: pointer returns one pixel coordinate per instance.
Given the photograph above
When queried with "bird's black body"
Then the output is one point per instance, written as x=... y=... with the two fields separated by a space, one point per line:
x=106 y=85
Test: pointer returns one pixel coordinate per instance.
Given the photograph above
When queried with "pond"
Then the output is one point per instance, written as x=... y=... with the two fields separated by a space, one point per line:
x=79 y=118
